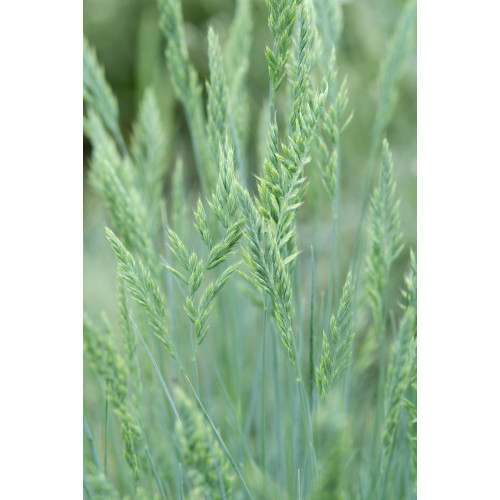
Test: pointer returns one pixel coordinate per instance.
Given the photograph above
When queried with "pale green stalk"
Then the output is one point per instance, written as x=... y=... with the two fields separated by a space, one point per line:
x=311 y=335
x=155 y=474
x=263 y=396
x=90 y=439
x=106 y=429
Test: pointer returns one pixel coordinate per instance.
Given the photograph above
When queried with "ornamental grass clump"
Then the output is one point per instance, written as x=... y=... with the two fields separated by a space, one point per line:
x=253 y=351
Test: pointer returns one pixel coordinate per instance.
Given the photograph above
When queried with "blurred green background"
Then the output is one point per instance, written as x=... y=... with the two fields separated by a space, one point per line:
x=130 y=46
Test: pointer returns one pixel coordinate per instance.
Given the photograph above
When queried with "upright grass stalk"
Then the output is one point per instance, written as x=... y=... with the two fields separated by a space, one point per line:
x=90 y=439
x=106 y=423
x=311 y=336
x=263 y=395
x=278 y=419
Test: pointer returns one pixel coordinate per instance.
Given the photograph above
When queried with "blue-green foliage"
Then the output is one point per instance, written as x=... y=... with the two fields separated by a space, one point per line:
x=206 y=380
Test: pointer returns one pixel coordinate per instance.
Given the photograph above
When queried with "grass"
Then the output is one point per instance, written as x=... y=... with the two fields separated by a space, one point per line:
x=229 y=367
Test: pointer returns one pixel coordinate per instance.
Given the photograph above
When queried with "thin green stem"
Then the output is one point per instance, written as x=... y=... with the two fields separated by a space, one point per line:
x=305 y=413
x=106 y=434
x=299 y=489
x=93 y=450
x=311 y=336
x=155 y=473
x=181 y=483
x=272 y=90
x=382 y=355
x=329 y=300
x=277 y=400
x=193 y=358
x=263 y=397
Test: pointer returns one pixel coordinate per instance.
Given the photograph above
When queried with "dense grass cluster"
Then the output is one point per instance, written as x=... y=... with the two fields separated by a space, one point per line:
x=225 y=372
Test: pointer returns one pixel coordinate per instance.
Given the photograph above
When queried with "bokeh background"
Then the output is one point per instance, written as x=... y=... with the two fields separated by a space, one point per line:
x=130 y=46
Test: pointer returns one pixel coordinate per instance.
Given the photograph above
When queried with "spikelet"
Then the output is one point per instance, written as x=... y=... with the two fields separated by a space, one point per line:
x=104 y=150
x=342 y=331
x=402 y=374
x=201 y=224
x=217 y=98
x=410 y=402
x=262 y=136
x=410 y=290
x=143 y=289
x=385 y=237
x=99 y=346
x=149 y=150
x=172 y=26
x=398 y=382
x=269 y=271
x=224 y=206
x=323 y=372
x=129 y=342
x=333 y=366
x=98 y=94
x=332 y=124
x=411 y=408
x=208 y=469
x=292 y=187
x=283 y=184
x=114 y=179
x=178 y=195
x=224 y=201
x=301 y=76
x=282 y=16
x=237 y=60
x=186 y=84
